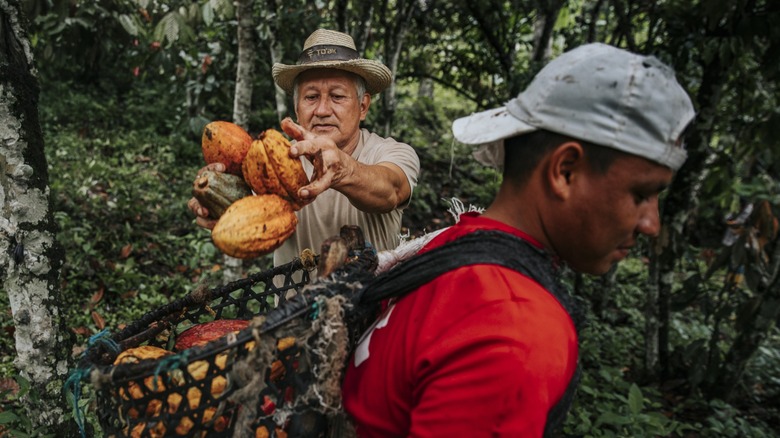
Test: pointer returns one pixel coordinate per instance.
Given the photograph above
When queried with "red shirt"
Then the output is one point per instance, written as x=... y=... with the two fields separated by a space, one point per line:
x=480 y=351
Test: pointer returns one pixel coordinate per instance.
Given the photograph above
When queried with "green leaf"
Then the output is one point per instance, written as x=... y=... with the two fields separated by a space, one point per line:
x=128 y=24
x=24 y=386
x=635 y=399
x=7 y=417
x=208 y=13
x=613 y=419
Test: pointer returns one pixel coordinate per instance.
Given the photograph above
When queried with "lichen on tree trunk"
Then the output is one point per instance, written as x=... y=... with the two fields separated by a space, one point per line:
x=30 y=257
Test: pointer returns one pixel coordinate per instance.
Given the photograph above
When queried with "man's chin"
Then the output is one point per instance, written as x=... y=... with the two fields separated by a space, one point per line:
x=324 y=130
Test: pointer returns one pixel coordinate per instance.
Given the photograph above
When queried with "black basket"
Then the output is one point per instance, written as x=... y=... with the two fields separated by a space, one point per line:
x=271 y=379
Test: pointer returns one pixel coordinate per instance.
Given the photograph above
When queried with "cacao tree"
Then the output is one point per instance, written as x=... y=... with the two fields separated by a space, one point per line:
x=30 y=257
x=242 y=101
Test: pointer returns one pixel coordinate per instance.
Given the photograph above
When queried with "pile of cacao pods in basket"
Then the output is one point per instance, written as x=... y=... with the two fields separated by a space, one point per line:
x=255 y=199
x=226 y=361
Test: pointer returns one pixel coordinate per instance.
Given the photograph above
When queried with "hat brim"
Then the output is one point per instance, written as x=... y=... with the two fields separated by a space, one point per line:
x=377 y=75
x=489 y=126
x=489 y=129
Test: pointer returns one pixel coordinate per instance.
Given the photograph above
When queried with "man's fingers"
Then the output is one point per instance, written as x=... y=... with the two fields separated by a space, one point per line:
x=316 y=187
x=205 y=223
x=295 y=130
x=198 y=209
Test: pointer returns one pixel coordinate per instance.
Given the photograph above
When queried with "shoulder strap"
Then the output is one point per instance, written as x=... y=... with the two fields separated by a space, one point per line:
x=479 y=247
x=483 y=247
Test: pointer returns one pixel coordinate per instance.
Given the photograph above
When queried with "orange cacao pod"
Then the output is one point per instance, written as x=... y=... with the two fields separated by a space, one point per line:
x=226 y=143
x=259 y=173
x=254 y=226
x=288 y=170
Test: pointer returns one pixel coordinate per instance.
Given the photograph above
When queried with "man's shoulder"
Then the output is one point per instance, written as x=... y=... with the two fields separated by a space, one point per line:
x=371 y=138
x=377 y=149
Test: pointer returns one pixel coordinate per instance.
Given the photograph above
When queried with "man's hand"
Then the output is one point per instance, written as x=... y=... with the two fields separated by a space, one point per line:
x=201 y=213
x=331 y=165
x=377 y=188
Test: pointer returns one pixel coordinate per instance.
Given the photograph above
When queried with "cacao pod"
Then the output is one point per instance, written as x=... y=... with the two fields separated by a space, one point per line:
x=226 y=143
x=218 y=190
x=152 y=383
x=254 y=226
x=288 y=170
x=259 y=172
x=202 y=334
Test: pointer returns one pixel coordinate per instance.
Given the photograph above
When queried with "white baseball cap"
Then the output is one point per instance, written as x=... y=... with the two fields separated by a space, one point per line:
x=595 y=93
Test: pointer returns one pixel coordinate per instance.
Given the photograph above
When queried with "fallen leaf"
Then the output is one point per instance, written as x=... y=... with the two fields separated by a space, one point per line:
x=96 y=297
x=9 y=385
x=83 y=331
x=126 y=250
x=99 y=321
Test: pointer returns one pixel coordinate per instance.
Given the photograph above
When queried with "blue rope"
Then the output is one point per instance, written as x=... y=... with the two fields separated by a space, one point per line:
x=103 y=337
x=315 y=310
x=73 y=386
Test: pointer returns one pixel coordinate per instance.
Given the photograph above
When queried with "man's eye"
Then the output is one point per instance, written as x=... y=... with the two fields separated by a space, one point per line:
x=642 y=197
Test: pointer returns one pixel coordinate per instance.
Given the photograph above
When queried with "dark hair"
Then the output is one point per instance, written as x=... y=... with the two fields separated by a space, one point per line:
x=524 y=152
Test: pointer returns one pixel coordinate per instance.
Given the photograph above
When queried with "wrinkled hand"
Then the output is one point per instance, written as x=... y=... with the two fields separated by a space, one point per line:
x=201 y=213
x=331 y=164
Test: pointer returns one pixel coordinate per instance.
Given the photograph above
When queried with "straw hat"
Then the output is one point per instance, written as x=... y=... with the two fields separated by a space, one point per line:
x=331 y=49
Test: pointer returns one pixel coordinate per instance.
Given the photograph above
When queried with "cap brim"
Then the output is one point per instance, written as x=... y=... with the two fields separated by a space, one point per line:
x=488 y=126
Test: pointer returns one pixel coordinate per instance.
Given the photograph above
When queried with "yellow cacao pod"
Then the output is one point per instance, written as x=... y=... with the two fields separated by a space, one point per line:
x=254 y=226
x=226 y=143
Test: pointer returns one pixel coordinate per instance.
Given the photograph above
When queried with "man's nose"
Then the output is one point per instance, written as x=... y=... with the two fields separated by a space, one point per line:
x=649 y=219
x=323 y=108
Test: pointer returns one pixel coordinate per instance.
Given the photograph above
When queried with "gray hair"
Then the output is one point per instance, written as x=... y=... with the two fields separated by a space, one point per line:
x=360 y=87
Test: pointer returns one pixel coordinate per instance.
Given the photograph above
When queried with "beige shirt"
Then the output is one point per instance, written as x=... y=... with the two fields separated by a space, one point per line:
x=325 y=216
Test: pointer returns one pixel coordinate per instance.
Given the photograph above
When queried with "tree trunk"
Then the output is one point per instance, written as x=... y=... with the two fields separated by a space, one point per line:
x=546 y=17
x=30 y=257
x=394 y=41
x=651 y=311
x=682 y=199
x=363 y=27
x=271 y=15
x=242 y=100
x=245 y=70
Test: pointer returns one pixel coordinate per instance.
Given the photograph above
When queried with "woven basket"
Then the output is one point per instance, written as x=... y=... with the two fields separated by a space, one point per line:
x=280 y=376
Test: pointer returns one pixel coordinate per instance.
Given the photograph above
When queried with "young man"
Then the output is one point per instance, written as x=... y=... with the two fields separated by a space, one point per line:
x=490 y=348
x=357 y=177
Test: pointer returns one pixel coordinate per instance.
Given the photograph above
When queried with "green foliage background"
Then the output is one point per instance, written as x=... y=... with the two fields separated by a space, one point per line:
x=124 y=97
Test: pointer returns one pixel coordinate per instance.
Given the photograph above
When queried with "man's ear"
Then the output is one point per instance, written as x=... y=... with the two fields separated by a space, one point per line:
x=566 y=163
x=365 y=103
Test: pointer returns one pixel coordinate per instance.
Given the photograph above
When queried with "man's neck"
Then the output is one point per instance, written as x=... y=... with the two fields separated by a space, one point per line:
x=351 y=146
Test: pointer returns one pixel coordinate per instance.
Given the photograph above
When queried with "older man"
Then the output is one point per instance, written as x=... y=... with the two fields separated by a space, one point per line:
x=357 y=177
x=487 y=346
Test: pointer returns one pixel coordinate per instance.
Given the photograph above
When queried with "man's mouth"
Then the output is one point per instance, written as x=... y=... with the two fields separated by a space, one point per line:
x=322 y=126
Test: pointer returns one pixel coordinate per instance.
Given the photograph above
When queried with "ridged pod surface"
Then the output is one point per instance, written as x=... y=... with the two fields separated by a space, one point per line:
x=226 y=143
x=289 y=171
x=254 y=226
x=259 y=173
x=218 y=190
